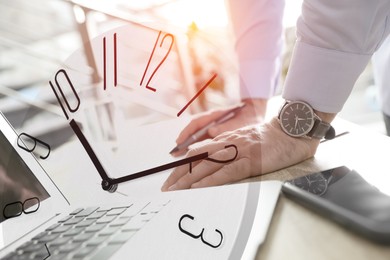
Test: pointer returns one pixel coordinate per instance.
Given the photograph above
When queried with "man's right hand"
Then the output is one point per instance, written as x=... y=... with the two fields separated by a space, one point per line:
x=252 y=113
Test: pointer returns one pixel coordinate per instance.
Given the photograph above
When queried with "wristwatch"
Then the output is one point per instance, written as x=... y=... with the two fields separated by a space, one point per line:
x=297 y=119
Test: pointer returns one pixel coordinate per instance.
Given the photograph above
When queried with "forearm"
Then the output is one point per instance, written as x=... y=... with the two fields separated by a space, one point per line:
x=335 y=42
x=258 y=29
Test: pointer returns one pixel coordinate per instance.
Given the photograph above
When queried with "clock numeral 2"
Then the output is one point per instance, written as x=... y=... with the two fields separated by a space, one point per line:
x=69 y=83
x=167 y=35
x=105 y=63
x=22 y=143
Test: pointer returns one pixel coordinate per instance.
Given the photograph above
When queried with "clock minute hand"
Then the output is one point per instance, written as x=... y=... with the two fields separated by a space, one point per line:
x=190 y=160
x=161 y=168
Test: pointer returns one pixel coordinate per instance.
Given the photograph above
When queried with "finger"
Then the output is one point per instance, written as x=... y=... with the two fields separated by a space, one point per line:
x=229 y=173
x=184 y=169
x=174 y=176
x=197 y=123
x=184 y=179
x=216 y=149
x=200 y=171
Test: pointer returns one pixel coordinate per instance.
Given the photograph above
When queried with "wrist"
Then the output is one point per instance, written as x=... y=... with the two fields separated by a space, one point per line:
x=326 y=117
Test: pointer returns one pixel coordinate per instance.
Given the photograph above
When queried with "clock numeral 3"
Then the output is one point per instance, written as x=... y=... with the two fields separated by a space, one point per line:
x=76 y=105
x=167 y=35
x=23 y=143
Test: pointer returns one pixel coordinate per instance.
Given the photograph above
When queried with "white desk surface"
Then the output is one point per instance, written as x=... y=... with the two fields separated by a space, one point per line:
x=295 y=232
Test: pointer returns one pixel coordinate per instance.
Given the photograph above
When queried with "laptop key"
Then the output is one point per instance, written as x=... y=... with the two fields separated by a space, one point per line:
x=106 y=252
x=40 y=235
x=86 y=212
x=72 y=221
x=96 y=215
x=76 y=211
x=64 y=219
x=83 y=252
x=67 y=248
x=83 y=237
x=85 y=223
x=105 y=219
x=59 y=241
x=116 y=211
x=55 y=225
x=48 y=238
x=58 y=257
x=96 y=241
x=61 y=229
x=17 y=257
x=40 y=254
x=32 y=248
x=73 y=232
x=108 y=231
x=122 y=237
x=95 y=227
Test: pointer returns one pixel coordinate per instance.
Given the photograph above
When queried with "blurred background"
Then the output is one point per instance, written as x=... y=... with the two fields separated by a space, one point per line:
x=37 y=36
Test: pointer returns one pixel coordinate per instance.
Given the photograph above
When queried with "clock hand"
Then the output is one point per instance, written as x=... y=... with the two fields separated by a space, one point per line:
x=296 y=122
x=190 y=160
x=93 y=157
x=111 y=184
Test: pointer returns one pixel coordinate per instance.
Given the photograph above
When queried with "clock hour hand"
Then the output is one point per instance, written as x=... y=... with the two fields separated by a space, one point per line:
x=106 y=181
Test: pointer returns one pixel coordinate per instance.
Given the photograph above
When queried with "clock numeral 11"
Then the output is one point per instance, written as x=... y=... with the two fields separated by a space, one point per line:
x=105 y=63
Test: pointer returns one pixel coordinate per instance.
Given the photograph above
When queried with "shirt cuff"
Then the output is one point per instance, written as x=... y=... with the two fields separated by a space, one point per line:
x=322 y=77
x=258 y=79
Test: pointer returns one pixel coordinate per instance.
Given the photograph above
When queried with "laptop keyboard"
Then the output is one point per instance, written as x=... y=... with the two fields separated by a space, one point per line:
x=88 y=233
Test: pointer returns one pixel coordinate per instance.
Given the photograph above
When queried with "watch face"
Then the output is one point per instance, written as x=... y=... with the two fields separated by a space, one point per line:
x=313 y=183
x=296 y=118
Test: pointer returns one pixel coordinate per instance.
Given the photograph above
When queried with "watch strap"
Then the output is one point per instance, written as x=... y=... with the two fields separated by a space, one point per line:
x=321 y=130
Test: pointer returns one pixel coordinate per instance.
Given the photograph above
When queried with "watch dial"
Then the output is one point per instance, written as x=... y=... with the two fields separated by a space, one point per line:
x=313 y=183
x=318 y=184
x=297 y=118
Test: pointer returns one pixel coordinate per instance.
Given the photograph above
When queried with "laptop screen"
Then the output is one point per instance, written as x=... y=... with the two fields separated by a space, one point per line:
x=20 y=191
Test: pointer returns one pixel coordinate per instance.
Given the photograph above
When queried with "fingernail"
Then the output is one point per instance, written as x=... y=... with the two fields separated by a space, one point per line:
x=173 y=187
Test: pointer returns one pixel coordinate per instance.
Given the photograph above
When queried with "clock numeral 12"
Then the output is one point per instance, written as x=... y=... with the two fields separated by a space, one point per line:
x=167 y=35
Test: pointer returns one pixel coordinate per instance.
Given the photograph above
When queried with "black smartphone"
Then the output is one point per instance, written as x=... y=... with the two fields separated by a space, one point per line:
x=346 y=197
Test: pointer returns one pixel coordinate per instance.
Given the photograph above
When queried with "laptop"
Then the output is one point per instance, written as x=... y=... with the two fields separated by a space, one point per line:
x=38 y=222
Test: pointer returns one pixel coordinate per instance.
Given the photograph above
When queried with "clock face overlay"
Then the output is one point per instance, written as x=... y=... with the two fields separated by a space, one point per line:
x=297 y=118
x=114 y=109
x=123 y=106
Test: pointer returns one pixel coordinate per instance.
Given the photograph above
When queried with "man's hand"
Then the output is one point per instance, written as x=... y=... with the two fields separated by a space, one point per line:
x=252 y=113
x=261 y=149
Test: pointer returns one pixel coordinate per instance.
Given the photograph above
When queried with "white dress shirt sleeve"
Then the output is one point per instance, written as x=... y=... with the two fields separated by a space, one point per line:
x=381 y=72
x=336 y=39
x=257 y=25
